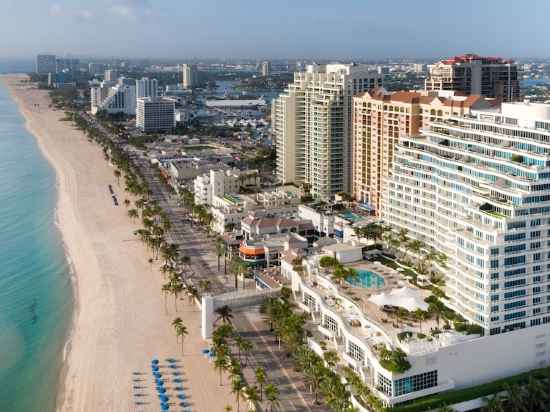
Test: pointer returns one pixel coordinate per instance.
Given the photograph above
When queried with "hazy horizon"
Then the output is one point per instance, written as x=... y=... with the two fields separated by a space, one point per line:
x=209 y=29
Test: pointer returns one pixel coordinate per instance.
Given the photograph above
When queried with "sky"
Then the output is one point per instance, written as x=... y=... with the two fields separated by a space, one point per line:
x=337 y=29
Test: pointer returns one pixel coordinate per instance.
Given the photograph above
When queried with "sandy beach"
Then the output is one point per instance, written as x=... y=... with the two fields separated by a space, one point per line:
x=120 y=322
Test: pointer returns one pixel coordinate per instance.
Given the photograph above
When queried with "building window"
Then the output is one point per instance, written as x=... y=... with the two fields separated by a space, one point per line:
x=330 y=324
x=309 y=301
x=355 y=352
x=415 y=383
x=384 y=385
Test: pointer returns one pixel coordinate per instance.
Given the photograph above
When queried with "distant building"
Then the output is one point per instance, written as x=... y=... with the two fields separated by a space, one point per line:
x=221 y=182
x=266 y=68
x=155 y=114
x=113 y=99
x=419 y=68
x=189 y=76
x=312 y=126
x=67 y=64
x=235 y=104
x=46 y=63
x=110 y=75
x=472 y=74
x=96 y=68
x=146 y=88
x=383 y=70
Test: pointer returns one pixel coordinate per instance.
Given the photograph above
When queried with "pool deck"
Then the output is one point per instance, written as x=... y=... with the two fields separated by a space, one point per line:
x=361 y=295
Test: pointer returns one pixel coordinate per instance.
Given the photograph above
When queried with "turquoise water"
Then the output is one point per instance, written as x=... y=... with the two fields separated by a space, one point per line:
x=367 y=279
x=35 y=288
x=352 y=217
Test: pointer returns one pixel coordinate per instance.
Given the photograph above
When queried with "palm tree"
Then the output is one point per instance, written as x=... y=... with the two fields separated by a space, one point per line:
x=182 y=332
x=228 y=408
x=251 y=393
x=238 y=388
x=220 y=250
x=272 y=395
x=331 y=358
x=261 y=379
x=224 y=314
x=117 y=175
x=220 y=364
x=177 y=323
x=205 y=285
x=420 y=316
x=133 y=214
x=437 y=308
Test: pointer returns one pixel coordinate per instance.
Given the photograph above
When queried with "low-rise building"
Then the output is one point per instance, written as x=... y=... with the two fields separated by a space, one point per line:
x=266 y=252
x=221 y=182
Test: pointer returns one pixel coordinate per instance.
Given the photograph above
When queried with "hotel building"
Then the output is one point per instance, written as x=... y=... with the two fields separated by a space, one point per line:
x=312 y=126
x=147 y=88
x=380 y=119
x=46 y=63
x=188 y=76
x=475 y=75
x=155 y=114
x=477 y=188
x=119 y=98
x=222 y=182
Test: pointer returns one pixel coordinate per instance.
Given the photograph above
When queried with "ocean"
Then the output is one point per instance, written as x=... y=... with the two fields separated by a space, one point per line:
x=36 y=298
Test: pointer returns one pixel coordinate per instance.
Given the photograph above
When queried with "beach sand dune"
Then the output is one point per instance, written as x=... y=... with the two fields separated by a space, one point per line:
x=120 y=321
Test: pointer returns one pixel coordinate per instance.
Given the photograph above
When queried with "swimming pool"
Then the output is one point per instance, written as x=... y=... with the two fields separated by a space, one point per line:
x=352 y=217
x=367 y=279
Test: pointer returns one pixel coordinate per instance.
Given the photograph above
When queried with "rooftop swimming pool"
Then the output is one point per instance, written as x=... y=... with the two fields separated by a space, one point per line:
x=352 y=217
x=367 y=279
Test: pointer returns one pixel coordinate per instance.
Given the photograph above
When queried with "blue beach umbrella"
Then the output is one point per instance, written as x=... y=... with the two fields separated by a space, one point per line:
x=163 y=398
x=161 y=389
x=182 y=396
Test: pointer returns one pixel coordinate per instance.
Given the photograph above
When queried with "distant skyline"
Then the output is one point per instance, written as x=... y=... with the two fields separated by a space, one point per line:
x=348 y=29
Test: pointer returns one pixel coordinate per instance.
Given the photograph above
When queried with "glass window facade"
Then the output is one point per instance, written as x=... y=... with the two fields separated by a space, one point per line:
x=415 y=383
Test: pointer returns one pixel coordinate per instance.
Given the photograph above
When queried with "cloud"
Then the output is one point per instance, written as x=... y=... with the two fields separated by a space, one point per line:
x=132 y=8
x=56 y=10
x=84 y=14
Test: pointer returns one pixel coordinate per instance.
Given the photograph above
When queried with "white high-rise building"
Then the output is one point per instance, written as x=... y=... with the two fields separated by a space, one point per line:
x=188 y=76
x=155 y=114
x=312 y=126
x=146 y=88
x=46 y=63
x=477 y=188
x=266 y=68
x=113 y=99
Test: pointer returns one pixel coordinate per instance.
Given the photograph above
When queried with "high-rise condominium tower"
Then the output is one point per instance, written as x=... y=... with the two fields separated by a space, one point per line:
x=477 y=188
x=380 y=119
x=146 y=88
x=312 y=126
x=472 y=74
x=188 y=76
x=111 y=75
x=46 y=63
x=266 y=68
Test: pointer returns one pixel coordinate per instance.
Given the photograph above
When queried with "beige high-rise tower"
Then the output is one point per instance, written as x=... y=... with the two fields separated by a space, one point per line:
x=381 y=119
x=188 y=76
x=312 y=126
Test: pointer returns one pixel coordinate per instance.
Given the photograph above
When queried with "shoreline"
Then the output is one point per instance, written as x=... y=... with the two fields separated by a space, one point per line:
x=73 y=277
x=118 y=323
